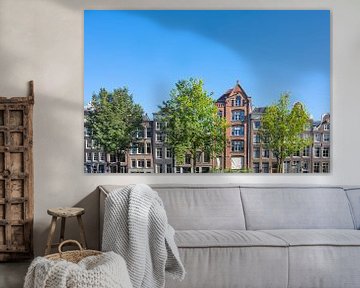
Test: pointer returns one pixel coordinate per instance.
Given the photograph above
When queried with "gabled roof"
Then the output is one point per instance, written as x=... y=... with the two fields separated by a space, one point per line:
x=233 y=91
x=259 y=110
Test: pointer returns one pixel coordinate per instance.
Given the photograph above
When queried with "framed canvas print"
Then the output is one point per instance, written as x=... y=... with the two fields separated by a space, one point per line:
x=187 y=91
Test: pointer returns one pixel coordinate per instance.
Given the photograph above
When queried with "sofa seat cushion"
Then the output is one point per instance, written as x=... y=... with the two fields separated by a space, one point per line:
x=322 y=258
x=225 y=238
x=317 y=237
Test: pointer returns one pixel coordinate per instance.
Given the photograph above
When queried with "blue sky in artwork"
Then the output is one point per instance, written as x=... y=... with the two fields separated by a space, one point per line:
x=269 y=52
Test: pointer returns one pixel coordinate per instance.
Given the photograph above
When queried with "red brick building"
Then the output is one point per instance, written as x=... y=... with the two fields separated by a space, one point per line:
x=235 y=106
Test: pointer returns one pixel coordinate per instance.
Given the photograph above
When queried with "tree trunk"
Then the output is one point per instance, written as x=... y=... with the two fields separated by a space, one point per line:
x=280 y=165
x=194 y=162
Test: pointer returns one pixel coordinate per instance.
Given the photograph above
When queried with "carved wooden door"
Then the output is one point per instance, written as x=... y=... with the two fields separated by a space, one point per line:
x=16 y=177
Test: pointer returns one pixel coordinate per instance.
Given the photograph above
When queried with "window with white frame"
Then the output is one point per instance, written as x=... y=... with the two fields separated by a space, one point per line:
x=159 y=154
x=159 y=168
x=326 y=152
x=88 y=156
x=286 y=167
x=148 y=163
x=168 y=168
x=305 y=167
x=141 y=148
x=237 y=146
x=96 y=156
x=102 y=156
x=149 y=132
x=220 y=113
x=256 y=152
x=86 y=131
x=256 y=138
x=140 y=133
x=297 y=166
x=158 y=125
x=306 y=152
x=325 y=167
x=265 y=153
x=326 y=137
x=133 y=149
x=257 y=125
x=141 y=163
x=112 y=158
x=206 y=157
x=316 y=167
x=88 y=143
x=317 y=137
x=238 y=115
x=133 y=163
x=148 y=148
x=237 y=130
x=317 y=151
x=327 y=127
x=238 y=101
x=168 y=153
x=265 y=167
x=159 y=137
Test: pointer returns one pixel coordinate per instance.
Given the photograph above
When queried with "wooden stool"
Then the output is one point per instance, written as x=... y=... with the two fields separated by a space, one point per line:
x=64 y=213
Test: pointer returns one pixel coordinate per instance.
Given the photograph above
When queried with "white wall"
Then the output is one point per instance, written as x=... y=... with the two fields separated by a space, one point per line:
x=43 y=40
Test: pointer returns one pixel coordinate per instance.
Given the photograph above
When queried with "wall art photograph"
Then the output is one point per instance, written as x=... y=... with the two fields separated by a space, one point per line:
x=243 y=91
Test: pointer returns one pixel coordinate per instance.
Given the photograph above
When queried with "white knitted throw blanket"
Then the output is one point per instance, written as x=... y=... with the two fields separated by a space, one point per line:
x=136 y=227
x=104 y=271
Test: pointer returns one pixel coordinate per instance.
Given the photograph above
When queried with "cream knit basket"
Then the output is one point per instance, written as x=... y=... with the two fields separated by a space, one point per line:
x=72 y=256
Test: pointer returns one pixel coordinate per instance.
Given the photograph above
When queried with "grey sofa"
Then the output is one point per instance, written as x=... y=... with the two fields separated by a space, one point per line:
x=246 y=236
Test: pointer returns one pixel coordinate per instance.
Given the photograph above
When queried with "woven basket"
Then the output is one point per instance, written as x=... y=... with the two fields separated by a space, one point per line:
x=72 y=256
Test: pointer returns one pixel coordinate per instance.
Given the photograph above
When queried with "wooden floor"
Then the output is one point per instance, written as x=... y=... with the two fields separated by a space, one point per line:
x=12 y=274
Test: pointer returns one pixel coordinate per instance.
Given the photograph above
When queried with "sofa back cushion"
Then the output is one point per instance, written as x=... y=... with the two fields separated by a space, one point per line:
x=354 y=198
x=203 y=207
x=296 y=208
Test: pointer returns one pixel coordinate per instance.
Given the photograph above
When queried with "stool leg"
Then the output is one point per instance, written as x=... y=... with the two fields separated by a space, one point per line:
x=51 y=235
x=62 y=231
x=82 y=232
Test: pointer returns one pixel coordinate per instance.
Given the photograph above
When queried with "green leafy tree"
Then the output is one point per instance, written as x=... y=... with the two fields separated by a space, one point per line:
x=192 y=124
x=113 y=119
x=282 y=127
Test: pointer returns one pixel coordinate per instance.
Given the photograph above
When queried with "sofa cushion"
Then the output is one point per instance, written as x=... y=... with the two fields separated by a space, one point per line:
x=226 y=238
x=202 y=207
x=296 y=208
x=220 y=267
x=324 y=266
x=317 y=237
x=354 y=198
x=322 y=258
x=191 y=207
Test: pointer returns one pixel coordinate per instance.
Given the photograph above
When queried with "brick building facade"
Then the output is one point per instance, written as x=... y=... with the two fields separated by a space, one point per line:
x=235 y=106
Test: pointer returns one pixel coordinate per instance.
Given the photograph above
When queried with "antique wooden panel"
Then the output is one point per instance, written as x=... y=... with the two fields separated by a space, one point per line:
x=16 y=177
